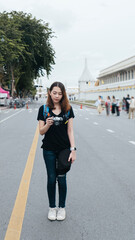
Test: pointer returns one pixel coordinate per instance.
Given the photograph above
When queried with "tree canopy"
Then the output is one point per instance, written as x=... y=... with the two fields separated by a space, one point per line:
x=25 y=50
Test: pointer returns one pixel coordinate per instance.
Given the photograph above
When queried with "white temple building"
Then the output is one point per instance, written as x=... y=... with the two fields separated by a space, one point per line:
x=117 y=80
x=86 y=81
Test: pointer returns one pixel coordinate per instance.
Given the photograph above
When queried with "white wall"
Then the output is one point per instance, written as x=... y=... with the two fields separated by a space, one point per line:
x=94 y=95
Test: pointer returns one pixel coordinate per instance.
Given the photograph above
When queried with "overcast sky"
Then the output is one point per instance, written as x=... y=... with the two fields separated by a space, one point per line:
x=100 y=30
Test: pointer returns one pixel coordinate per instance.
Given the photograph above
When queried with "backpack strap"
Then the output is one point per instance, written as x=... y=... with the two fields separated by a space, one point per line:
x=68 y=113
x=67 y=116
x=45 y=111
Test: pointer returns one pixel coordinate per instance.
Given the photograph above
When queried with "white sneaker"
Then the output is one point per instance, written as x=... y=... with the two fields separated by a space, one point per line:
x=61 y=214
x=52 y=214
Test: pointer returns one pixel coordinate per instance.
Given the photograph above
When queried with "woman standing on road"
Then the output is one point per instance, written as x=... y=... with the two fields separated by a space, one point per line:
x=113 y=105
x=58 y=136
x=117 y=107
x=99 y=105
x=107 y=105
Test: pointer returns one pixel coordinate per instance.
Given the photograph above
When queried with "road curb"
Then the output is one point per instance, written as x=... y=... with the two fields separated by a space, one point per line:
x=3 y=108
x=84 y=104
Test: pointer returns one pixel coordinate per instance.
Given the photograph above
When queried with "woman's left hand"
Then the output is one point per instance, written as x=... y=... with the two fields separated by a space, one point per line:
x=72 y=156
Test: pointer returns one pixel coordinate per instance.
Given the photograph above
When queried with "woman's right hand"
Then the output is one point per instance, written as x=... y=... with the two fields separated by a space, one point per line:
x=49 y=121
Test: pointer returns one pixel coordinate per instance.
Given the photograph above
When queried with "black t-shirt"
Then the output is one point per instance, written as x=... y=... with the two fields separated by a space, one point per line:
x=56 y=138
x=127 y=103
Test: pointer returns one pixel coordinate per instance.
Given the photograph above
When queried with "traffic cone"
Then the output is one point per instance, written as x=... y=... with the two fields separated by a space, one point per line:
x=81 y=106
x=27 y=106
x=14 y=106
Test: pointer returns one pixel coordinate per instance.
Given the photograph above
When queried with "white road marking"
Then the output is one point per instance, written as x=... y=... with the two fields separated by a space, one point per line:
x=109 y=130
x=95 y=123
x=132 y=142
x=86 y=118
x=80 y=115
x=11 y=116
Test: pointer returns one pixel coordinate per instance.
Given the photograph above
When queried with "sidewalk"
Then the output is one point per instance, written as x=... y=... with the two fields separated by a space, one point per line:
x=3 y=107
x=90 y=105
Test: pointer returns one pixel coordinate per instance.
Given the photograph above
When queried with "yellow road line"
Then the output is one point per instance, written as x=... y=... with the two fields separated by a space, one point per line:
x=17 y=216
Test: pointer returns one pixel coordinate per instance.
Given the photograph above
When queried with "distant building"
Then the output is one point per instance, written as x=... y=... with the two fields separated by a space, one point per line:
x=117 y=80
x=86 y=80
x=123 y=71
x=72 y=93
x=41 y=92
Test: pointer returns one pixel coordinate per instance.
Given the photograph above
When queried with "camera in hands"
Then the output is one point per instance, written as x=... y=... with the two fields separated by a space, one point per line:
x=57 y=121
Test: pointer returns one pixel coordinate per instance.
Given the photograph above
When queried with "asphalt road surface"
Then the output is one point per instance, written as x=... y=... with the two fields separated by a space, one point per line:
x=101 y=184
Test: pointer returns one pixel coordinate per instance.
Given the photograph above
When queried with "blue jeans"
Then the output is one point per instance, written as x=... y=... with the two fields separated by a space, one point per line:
x=50 y=162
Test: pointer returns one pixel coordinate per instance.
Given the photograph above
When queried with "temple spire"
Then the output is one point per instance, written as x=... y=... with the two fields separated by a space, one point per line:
x=86 y=76
x=86 y=63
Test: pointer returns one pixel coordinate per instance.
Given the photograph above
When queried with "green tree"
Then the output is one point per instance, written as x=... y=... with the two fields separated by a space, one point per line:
x=11 y=46
x=25 y=49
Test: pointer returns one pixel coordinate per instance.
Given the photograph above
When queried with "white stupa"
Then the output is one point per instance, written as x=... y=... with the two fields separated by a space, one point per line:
x=86 y=81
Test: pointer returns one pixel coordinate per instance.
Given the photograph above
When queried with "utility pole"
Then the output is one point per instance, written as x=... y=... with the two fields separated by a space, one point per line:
x=12 y=84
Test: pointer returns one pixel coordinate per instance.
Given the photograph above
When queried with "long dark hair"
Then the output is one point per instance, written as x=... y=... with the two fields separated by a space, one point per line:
x=64 y=102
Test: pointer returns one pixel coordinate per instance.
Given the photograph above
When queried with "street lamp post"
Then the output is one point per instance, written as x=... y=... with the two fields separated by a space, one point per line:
x=12 y=82
x=2 y=41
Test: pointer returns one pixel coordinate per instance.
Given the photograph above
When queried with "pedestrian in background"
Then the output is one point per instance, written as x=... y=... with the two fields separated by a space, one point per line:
x=107 y=105
x=99 y=105
x=57 y=137
x=127 y=103
x=124 y=104
x=131 y=107
x=117 y=107
x=113 y=105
